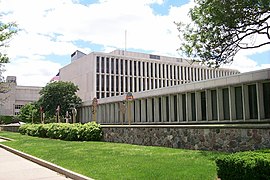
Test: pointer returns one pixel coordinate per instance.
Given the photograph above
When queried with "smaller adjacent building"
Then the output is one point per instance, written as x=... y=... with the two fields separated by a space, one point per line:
x=16 y=96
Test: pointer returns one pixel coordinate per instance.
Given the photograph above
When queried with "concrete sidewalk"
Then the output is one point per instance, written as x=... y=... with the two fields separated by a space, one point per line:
x=14 y=167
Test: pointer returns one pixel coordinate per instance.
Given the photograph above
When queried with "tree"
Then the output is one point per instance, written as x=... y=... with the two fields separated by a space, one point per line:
x=62 y=94
x=29 y=113
x=220 y=28
x=6 y=33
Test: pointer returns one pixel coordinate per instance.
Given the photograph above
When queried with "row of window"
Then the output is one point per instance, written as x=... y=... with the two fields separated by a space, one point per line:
x=155 y=70
x=247 y=102
x=107 y=86
x=18 y=106
x=116 y=76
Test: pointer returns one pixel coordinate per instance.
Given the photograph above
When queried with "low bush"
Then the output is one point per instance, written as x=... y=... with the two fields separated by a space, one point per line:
x=244 y=166
x=6 y=119
x=70 y=132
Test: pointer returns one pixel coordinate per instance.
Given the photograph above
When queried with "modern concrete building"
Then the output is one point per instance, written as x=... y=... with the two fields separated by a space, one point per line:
x=237 y=98
x=103 y=75
x=17 y=96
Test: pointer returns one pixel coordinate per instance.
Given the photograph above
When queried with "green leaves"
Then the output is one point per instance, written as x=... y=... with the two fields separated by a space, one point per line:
x=219 y=29
x=29 y=113
x=71 y=132
x=244 y=165
x=6 y=32
x=59 y=93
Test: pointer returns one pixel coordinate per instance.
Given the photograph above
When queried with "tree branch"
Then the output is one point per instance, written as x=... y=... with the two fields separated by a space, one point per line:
x=253 y=47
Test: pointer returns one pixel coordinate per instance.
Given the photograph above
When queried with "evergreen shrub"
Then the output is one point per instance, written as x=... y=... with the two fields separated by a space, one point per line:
x=247 y=165
x=64 y=131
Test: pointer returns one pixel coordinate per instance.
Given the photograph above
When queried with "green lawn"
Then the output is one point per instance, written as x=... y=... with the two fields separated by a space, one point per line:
x=101 y=160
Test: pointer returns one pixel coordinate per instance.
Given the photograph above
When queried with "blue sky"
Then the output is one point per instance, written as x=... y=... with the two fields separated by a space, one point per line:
x=51 y=30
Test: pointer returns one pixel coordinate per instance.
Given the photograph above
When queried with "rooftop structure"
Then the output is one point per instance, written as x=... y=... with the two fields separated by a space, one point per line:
x=103 y=75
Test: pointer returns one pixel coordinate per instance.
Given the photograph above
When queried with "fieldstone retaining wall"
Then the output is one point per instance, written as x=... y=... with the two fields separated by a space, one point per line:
x=11 y=128
x=227 y=138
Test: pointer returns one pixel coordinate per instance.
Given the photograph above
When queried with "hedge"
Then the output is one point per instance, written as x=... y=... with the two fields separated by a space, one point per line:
x=248 y=165
x=64 y=131
x=6 y=119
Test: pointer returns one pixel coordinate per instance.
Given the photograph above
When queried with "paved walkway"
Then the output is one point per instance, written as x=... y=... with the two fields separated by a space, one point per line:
x=13 y=167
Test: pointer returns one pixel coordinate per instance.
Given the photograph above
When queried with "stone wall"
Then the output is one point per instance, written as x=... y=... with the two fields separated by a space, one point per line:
x=11 y=128
x=228 y=138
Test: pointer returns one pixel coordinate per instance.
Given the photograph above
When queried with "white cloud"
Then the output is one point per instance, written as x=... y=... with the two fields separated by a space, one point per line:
x=244 y=64
x=51 y=27
x=32 y=72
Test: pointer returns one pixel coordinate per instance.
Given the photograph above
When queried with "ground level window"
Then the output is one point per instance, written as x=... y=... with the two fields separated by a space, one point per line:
x=252 y=100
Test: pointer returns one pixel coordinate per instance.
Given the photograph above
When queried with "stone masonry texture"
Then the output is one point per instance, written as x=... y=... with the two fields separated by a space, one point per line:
x=214 y=139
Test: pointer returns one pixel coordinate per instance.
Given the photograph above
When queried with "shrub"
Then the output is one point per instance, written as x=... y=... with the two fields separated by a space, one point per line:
x=6 y=119
x=70 y=132
x=244 y=166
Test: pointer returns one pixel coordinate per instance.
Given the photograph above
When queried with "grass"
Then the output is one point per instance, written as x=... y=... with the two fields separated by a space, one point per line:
x=102 y=160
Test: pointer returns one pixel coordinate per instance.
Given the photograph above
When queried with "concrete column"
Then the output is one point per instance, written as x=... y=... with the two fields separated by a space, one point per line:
x=114 y=83
x=179 y=108
x=208 y=105
x=156 y=111
x=259 y=89
x=246 y=115
x=115 y=112
x=88 y=113
x=171 y=108
x=119 y=84
x=105 y=77
x=188 y=109
x=184 y=74
x=180 y=74
x=111 y=118
x=220 y=105
x=149 y=109
x=230 y=102
x=207 y=73
x=163 y=111
x=107 y=113
x=132 y=112
x=143 y=113
x=198 y=106
x=193 y=74
x=99 y=114
x=137 y=111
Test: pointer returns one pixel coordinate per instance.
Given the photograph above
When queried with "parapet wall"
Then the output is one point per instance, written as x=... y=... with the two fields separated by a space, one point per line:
x=221 y=137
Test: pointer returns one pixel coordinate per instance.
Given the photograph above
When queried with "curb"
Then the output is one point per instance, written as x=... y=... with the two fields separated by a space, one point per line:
x=58 y=169
x=7 y=139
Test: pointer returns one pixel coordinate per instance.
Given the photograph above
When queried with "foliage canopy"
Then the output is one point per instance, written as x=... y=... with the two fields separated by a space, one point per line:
x=62 y=94
x=29 y=113
x=220 y=28
x=7 y=30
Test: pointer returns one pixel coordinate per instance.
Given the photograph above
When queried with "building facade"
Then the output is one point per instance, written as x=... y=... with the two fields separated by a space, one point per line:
x=103 y=75
x=238 y=98
x=16 y=97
